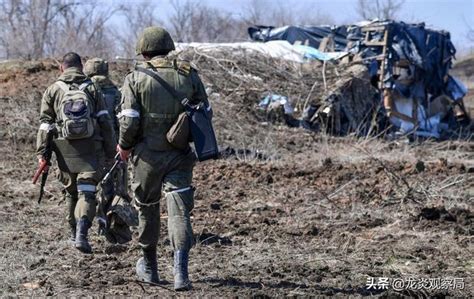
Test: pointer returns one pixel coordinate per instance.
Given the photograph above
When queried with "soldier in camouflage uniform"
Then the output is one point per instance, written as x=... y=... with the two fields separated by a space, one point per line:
x=79 y=160
x=148 y=112
x=97 y=70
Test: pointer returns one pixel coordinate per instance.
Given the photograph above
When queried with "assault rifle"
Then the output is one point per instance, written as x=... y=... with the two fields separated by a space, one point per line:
x=105 y=201
x=43 y=168
x=112 y=169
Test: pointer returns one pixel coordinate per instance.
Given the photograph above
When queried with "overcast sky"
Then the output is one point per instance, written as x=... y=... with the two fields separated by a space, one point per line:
x=451 y=15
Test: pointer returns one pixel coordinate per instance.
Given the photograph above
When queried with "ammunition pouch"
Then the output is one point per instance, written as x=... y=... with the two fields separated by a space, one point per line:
x=179 y=134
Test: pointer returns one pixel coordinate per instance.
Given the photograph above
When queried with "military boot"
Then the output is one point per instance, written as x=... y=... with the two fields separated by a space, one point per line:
x=147 y=267
x=81 y=235
x=180 y=271
x=72 y=234
x=71 y=200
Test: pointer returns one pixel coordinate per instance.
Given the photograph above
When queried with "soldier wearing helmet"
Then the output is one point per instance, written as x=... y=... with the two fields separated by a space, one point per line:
x=148 y=111
x=97 y=69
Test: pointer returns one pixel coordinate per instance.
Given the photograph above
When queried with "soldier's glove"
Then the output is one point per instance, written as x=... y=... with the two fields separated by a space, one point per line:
x=123 y=153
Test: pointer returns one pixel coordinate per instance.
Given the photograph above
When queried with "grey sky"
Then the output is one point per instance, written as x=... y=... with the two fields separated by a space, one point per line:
x=450 y=15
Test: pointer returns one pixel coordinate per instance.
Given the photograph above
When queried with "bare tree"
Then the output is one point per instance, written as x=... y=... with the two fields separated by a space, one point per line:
x=135 y=19
x=255 y=13
x=85 y=31
x=180 y=18
x=470 y=35
x=470 y=31
x=381 y=9
x=196 y=22
x=25 y=25
x=259 y=13
x=39 y=28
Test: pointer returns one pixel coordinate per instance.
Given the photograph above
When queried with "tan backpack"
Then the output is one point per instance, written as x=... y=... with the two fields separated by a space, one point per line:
x=76 y=112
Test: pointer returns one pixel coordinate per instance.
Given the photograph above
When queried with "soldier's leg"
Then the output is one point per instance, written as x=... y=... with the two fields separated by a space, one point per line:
x=70 y=196
x=179 y=198
x=147 y=190
x=85 y=208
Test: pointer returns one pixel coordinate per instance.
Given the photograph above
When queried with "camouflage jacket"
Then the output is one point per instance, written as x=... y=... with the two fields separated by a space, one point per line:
x=50 y=105
x=148 y=110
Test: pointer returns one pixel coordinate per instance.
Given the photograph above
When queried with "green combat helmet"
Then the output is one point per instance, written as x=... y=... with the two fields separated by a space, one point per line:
x=96 y=67
x=154 y=40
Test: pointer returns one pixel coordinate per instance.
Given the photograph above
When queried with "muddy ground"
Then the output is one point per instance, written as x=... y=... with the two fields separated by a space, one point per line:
x=297 y=214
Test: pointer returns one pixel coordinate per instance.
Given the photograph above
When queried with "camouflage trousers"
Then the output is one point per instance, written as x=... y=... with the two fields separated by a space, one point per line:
x=170 y=172
x=79 y=191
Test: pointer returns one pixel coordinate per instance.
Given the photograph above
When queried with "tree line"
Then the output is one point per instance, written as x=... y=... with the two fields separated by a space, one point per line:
x=32 y=29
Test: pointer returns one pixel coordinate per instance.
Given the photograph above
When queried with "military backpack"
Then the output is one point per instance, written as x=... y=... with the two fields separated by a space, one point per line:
x=76 y=111
x=110 y=98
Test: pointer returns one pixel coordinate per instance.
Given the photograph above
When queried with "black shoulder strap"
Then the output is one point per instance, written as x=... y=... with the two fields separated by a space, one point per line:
x=178 y=96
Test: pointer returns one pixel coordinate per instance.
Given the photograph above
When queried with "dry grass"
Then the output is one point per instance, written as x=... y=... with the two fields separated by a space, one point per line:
x=314 y=214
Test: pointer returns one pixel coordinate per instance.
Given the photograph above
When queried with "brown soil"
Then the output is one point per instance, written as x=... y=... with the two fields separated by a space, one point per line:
x=294 y=214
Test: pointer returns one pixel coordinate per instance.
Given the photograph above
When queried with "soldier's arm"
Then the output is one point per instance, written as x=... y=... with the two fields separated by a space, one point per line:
x=129 y=117
x=199 y=92
x=105 y=123
x=47 y=120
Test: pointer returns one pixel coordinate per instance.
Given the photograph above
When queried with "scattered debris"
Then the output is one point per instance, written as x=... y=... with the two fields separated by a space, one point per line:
x=364 y=78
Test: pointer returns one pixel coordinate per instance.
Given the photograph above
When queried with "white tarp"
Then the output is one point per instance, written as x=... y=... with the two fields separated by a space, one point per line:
x=275 y=49
x=427 y=126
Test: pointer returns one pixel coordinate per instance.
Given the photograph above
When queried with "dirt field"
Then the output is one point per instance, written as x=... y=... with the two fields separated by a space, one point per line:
x=295 y=214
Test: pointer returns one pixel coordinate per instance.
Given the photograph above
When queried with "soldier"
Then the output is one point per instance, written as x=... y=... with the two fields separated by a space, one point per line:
x=74 y=107
x=97 y=70
x=148 y=112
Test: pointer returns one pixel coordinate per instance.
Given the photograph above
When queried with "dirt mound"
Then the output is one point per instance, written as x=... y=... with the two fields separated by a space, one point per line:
x=285 y=212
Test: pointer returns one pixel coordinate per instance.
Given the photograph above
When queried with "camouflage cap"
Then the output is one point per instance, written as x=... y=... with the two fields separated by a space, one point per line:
x=96 y=66
x=154 y=39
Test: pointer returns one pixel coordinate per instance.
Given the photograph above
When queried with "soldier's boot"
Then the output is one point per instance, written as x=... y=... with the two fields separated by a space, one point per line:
x=147 y=267
x=180 y=271
x=82 y=229
x=71 y=200
x=72 y=236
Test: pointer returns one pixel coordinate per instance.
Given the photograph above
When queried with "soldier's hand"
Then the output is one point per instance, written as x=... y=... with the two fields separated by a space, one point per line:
x=42 y=163
x=123 y=153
